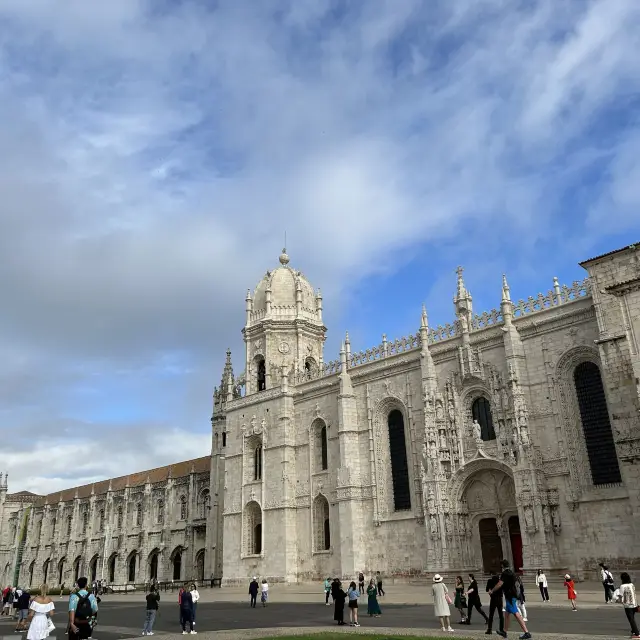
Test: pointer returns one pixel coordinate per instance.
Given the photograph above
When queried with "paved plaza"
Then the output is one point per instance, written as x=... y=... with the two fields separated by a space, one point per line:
x=121 y=618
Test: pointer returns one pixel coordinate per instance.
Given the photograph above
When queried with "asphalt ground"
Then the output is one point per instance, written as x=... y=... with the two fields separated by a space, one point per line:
x=124 y=620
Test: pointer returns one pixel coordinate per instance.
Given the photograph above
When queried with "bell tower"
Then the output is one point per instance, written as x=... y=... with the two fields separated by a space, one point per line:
x=283 y=327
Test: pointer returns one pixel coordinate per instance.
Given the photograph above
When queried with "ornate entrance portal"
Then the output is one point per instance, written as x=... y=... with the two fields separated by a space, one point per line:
x=495 y=528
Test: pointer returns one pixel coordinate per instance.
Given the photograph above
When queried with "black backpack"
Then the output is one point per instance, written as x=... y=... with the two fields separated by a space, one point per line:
x=83 y=608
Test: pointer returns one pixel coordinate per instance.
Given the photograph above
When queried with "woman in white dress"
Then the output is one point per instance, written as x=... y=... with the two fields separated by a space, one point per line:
x=441 y=602
x=40 y=610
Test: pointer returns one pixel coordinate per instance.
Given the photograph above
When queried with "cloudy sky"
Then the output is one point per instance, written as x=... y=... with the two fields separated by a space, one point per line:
x=154 y=152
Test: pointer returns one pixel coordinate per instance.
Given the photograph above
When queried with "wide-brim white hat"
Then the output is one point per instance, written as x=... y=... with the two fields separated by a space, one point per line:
x=437 y=578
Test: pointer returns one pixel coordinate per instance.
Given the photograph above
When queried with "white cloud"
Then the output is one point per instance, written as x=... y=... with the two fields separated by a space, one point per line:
x=153 y=155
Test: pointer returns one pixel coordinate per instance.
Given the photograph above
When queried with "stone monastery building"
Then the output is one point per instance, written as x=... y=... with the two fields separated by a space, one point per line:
x=514 y=433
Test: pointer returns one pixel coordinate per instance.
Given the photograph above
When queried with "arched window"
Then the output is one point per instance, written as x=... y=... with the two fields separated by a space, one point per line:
x=399 y=464
x=310 y=368
x=76 y=569
x=101 y=519
x=93 y=569
x=132 y=568
x=481 y=411
x=61 y=571
x=45 y=570
x=257 y=463
x=138 y=515
x=205 y=500
x=594 y=415
x=177 y=564
x=85 y=520
x=111 y=568
x=32 y=566
x=224 y=439
x=69 y=525
x=321 y=528
x=53 y=526
x=153 y=566
x=119 y=518
x=262 y=375
x=253 y=529
x=160 y=512
x=183 y=508
x=324 y=458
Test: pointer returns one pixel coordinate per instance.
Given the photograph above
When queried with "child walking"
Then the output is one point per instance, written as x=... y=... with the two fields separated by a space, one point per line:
x=352 y=594
x=571 y=591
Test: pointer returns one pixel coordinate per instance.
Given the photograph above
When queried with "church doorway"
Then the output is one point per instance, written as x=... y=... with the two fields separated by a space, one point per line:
x=200 y=565
x=177 y=564
x=516 y=542
x=490 y=544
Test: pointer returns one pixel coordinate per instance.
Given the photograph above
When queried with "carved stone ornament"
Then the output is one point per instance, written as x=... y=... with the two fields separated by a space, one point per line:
x=433 y=525
x=555 y=520
x=257 y=347
x=283 y=347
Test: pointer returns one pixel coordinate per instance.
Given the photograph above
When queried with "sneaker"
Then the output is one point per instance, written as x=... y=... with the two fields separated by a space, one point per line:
x=150 y=633
x=450 y=629
x=144 y=633
x=526 y=636
x=502 y=633
x=356 y=624
x=526 y=619
x=184 y=633
x=193 y=633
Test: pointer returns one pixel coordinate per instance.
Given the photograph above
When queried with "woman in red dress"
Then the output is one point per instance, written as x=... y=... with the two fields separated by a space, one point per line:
x=571 y=591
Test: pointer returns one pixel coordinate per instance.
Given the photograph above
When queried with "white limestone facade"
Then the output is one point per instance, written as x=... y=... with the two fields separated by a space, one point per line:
x=512 y=433
x=127 y=530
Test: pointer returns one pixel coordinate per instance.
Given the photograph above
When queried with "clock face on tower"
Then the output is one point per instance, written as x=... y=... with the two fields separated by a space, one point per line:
x=283 y=347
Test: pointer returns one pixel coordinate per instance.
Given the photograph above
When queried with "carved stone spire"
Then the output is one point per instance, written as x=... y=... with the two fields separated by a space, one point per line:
x=462 y=299
x=226 y=384
x=506 y=293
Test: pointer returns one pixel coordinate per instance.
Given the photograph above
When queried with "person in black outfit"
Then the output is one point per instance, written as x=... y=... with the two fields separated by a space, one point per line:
x=339 y=596
x=473 y=600
x=253 y=591
x=495 y=604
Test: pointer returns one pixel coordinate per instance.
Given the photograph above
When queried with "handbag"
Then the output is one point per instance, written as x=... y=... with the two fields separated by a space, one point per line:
x=447 y=597
x=50 y=626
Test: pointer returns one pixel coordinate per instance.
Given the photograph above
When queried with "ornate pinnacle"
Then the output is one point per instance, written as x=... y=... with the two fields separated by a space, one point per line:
x=424 y=322
x=462 y=291
x=506 y=293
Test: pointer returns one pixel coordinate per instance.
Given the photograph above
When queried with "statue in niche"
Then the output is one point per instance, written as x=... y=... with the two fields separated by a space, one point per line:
x=528 y=518
x=439 y=410
x=433 y=521
x=431 y=502
x=555 y=520
x=477 y=432
x=448 y=525
x=546 y=517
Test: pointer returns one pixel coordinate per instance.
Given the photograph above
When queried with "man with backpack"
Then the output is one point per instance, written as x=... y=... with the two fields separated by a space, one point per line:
x=83 y=608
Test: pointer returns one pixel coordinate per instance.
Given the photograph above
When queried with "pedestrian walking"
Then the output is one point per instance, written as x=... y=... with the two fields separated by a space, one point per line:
x=83 y=608
x=495 y=604
x=361 y=582
x=379 y=583
x=521 y=598
x=607 y=582
x=40 y=611
x=186 y=612
x=264 y=592
x=541 y=579
x=460 y=600
x=353 y=593
x=6 y=605
x=571 y=591
x=441 y=602
x=473 y=600
x=327 y=591
x=629 y=601
x=507 y=583
x=373 y=607
x=253 y=591
x=195 y=596
x=24 y=599
x=151 y=611
x=339 y=597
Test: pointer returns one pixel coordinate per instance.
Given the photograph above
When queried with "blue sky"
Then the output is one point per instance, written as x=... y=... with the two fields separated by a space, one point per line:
x=153 y=155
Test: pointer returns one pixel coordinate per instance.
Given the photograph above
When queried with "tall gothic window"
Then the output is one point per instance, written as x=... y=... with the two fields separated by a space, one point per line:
x=262 y=375
x=481 y=411
x=324 y=458
x=138 y=515
x=205 y=499
x=85 y=519
x=183 y=508
x=69 y=524
x=53 y=526
x=321 y=528
x=101 y=519
x=257 y=463
x=399 y=464
x=160 y=512
x=594 y=415
x=224 y=439
x=119 y=518
x=253 y=529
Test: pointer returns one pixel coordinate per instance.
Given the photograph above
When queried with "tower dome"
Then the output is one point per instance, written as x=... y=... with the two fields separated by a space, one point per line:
x=283 y=293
